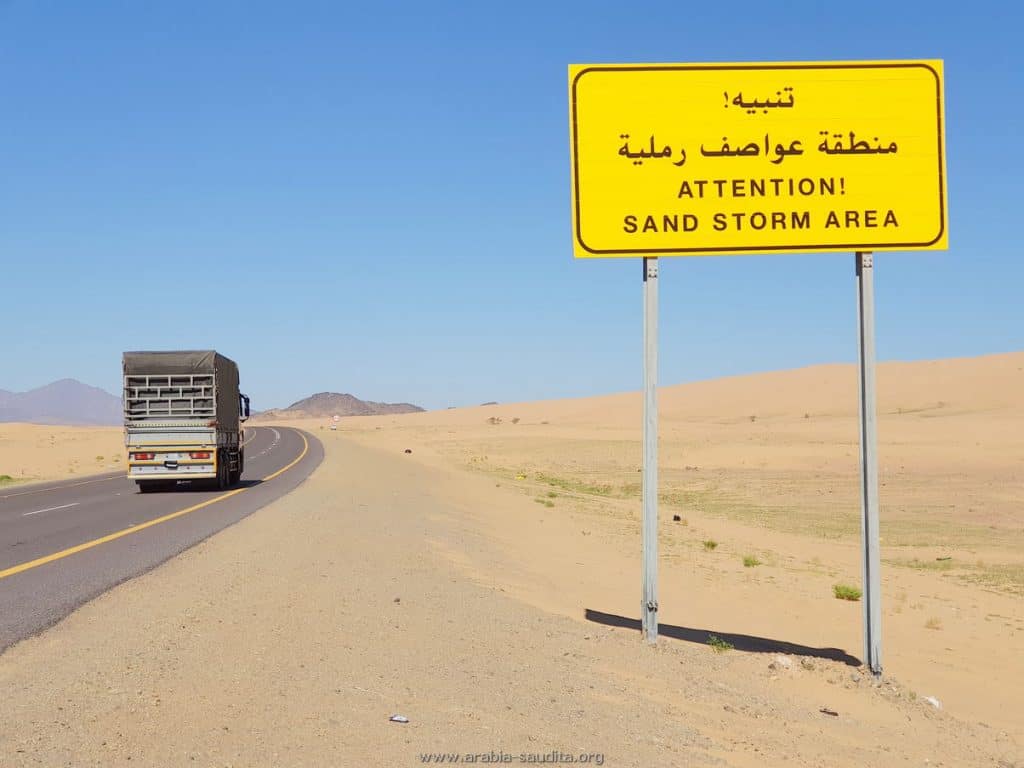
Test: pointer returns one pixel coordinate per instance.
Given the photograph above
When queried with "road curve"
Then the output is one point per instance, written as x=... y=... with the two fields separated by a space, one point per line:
x=62 y=544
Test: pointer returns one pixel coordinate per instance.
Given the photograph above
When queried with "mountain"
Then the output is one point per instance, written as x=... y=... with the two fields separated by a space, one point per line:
x=63 y=402
x=338 y=404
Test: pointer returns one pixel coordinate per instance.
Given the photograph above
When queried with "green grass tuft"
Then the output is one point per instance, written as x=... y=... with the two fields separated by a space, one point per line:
x=846 y=592
x=720 y=645
x=575 y=486
x=749 y=561
x=710 y=545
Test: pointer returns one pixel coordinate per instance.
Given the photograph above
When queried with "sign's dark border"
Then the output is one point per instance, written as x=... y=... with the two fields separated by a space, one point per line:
x=762 y=248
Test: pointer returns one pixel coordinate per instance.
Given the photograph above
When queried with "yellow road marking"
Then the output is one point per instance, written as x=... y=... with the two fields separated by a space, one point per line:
x=142 y=526
x=305 y=449
x=111 y=537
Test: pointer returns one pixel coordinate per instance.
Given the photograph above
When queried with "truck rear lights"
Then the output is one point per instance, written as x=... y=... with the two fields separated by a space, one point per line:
x=143 y=456
x=200 y=454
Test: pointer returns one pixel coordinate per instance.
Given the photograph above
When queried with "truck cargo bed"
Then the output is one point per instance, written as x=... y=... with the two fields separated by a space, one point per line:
x=182 y=418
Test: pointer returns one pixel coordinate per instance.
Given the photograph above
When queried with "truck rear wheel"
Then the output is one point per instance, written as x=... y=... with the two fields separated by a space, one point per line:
x=223 y=471
x=236 y=474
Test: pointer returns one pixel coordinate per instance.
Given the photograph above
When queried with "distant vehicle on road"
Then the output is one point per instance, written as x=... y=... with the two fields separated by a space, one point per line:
x=183 y=415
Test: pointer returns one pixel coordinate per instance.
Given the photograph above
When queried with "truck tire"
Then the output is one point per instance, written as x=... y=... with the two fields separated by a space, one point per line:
x=223 y=471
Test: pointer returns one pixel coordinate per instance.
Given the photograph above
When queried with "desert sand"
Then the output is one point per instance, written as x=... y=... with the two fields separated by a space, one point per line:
x=486 y=585
x=35 y=452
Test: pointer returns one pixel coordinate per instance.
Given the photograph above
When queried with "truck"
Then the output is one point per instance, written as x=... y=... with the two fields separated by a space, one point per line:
x=183 y=416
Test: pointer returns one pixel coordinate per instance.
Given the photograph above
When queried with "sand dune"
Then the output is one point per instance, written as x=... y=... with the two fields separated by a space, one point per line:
x=977 y=385
x=951 y=443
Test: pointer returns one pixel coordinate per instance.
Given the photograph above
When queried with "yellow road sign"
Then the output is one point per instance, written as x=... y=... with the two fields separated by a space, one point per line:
x=757 y=158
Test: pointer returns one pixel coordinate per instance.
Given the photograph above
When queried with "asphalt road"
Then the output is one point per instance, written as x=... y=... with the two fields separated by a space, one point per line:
x=62 y=544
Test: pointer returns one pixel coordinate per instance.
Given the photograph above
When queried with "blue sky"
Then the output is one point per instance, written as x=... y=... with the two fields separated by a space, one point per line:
x=374 y=198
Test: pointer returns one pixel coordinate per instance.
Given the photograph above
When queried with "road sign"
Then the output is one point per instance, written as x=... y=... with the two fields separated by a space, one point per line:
x=694 y=159
x=757 y=158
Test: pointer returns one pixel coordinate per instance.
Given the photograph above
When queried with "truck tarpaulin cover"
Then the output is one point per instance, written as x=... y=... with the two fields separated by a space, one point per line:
x=224 y=369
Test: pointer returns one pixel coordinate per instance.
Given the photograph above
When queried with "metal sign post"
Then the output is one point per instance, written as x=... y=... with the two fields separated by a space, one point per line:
x=869 y=464
x=649 y=604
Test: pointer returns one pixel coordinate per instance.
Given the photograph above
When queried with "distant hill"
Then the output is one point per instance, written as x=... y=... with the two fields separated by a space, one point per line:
x=338 y=404
x=63 y=402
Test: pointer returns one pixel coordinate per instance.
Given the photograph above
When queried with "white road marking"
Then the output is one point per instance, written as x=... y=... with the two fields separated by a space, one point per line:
x=250 y=438
x=61 y=487
x=51 y=509
x=273 y=444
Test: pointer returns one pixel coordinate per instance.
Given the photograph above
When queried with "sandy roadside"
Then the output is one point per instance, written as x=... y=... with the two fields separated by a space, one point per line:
x=946 y=638
x=290 y=638
x=761 y=467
